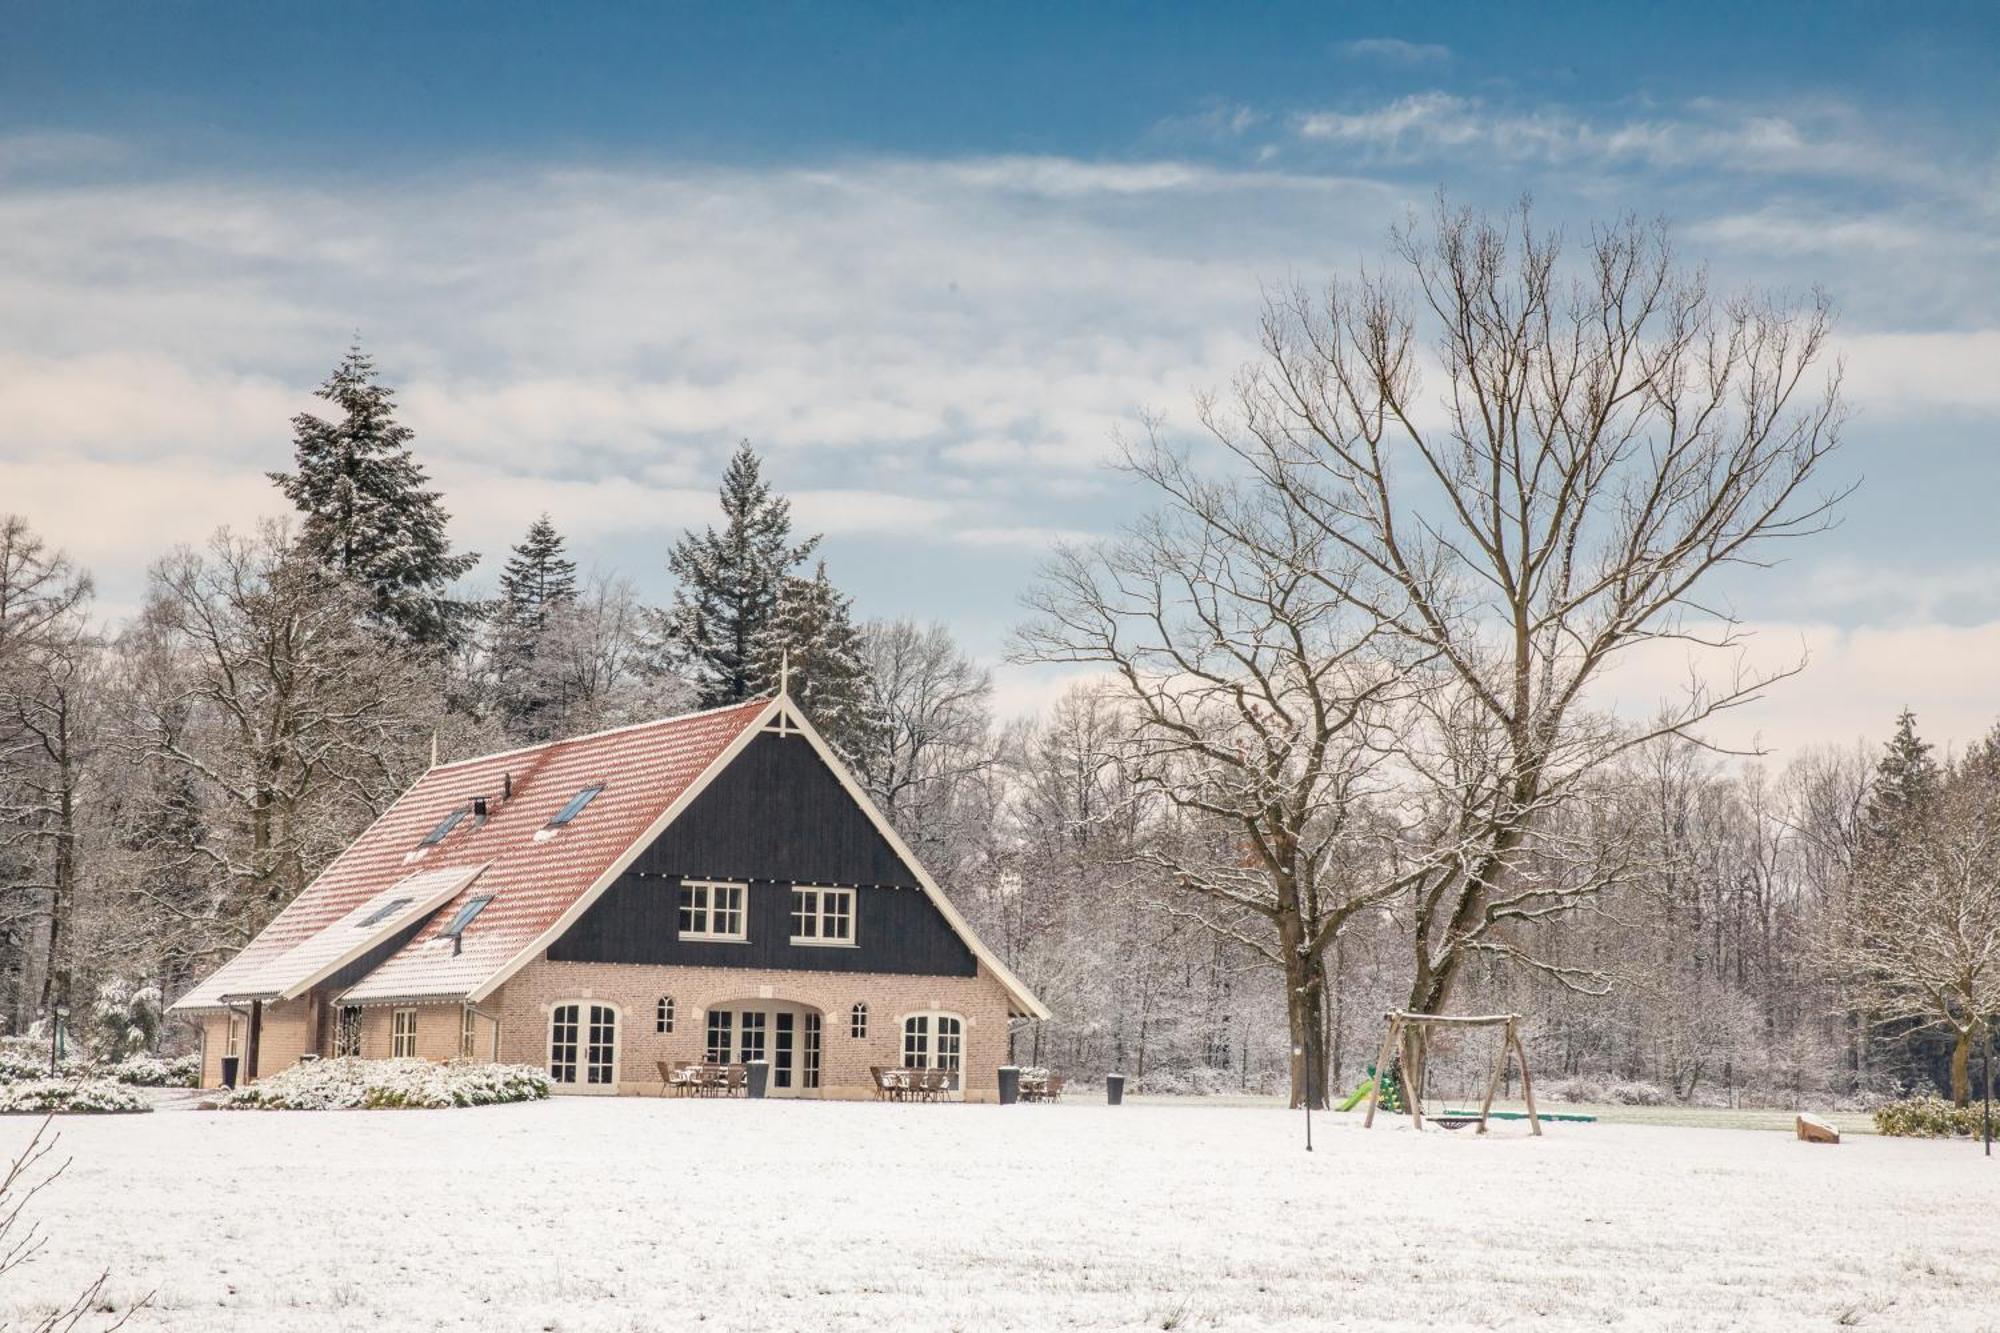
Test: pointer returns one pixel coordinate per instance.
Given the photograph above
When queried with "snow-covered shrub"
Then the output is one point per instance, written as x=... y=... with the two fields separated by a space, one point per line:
x=25 y=1061
x=1926 y=1118
x=96 y=1096
x=152 y=1071
x=126 y=1018
x=1634 y=1093
x=371 y=1085
x=1198 y=1082
x=1576 y=1089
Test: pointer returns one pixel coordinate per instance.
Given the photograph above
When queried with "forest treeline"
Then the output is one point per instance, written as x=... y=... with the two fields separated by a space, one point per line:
x=1333 y=746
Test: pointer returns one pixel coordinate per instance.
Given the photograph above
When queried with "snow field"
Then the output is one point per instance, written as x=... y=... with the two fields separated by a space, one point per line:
x=582 y=1215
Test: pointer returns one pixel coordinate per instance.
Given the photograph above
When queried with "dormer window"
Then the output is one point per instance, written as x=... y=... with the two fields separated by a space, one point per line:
x=387 y=910
x=444 y=828
x=464 y=916
x=576 y=805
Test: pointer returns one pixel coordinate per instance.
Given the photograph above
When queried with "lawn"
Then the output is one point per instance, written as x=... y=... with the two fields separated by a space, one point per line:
x=580 y=1214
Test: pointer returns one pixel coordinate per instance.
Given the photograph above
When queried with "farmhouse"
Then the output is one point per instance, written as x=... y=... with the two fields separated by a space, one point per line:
x=707 y=887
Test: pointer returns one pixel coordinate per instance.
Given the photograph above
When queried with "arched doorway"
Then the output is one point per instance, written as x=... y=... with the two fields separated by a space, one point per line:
x=583 y=1045
x=789 y=1037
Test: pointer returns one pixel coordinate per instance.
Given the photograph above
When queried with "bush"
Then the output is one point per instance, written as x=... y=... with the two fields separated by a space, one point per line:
x=84 y=1096
x=152 y=1071
x=23 y=1061
x=1198 y=1082
x=379 y=1085
x=1926 y=1118
x=1635 y=1094
x=1576 y=1089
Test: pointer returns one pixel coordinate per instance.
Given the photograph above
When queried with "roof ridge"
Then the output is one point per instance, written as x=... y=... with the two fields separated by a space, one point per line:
x=759 y=700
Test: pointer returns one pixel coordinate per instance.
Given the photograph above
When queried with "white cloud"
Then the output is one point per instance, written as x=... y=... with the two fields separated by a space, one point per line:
x=1395 y=51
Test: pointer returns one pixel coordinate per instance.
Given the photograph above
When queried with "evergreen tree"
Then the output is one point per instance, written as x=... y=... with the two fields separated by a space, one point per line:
x=538 y=582
x=730 y=586
x=813 y=633
x=369 y=516
x=1907 y=782
x=537 y=578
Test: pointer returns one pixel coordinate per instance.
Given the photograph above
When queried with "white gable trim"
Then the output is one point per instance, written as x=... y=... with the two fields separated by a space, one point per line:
x=625 y=859
x=1013 y=985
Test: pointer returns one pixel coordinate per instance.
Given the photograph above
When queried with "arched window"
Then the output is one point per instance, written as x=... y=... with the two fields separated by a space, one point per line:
x=857 y=1021
x=933 y=1041
x=663 y=1014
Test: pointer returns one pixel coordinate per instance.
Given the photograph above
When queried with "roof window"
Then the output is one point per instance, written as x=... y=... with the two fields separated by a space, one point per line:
x=464 y=916
x=576 y=805
x=387 y=910
x=445 y=826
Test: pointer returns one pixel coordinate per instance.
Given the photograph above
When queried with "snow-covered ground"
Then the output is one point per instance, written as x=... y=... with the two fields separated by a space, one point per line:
x=581 y=1214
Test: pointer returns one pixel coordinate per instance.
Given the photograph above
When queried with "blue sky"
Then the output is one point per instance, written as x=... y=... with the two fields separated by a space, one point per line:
x=932 y=258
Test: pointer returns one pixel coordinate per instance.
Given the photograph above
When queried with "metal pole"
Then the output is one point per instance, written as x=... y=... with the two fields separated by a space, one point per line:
x=1986 y=1067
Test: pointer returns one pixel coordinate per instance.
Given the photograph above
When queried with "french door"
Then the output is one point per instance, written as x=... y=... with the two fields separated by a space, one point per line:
x=583 y=1045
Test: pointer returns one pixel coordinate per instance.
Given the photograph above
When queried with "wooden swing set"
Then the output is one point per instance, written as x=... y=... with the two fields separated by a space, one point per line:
x=1408 y=1040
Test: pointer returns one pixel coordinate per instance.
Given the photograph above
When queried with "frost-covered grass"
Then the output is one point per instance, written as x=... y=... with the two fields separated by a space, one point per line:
x=592 y=1216
x=385 y=1085
x=70 y=1096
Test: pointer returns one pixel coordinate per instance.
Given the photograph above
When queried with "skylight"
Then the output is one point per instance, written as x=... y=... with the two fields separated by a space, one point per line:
x=445 y=826
x=387 y=910
x=464 y=917
x=575 y=806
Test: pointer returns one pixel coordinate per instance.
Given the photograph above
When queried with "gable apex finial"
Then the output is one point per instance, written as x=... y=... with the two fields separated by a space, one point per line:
x=784 y=672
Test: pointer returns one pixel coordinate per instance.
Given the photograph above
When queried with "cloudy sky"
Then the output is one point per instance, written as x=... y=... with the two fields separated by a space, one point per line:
x=931 y=259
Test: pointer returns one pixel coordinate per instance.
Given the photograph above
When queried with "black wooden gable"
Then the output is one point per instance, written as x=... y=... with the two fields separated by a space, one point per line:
x=775 y=817
x=777 y=812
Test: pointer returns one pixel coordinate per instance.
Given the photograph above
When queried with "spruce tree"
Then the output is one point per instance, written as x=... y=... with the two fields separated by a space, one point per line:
x=1907 y=782
x=538 y=581
x=730 y=585
x=813 y=634
x=537 y=578
x=369 y=516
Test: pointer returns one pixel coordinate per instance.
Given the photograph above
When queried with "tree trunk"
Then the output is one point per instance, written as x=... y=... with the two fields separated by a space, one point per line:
x=1305 y=1010
x=1961 y=1068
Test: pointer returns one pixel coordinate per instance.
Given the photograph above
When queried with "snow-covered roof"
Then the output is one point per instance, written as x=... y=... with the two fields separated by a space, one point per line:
x=533 y=873
x=538 y=878
x=286 y=973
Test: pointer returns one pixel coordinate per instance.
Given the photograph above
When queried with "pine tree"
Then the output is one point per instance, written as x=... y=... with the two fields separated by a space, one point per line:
x=730 y=585
x=538 y=582
x=813 y=633
x=538 y=577
x=369 y=516
x=1907 y=782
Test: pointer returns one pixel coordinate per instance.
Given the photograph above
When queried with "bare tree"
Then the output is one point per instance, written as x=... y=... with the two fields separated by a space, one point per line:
x=931 y=703
x=260 y=680
x=1599 y=441
x=1255 y=700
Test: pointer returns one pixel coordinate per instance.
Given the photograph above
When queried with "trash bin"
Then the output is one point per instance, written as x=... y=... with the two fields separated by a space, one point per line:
x=1114 y=1089
x=759 y=1077
x=1010 y=1084
x=230 y=1063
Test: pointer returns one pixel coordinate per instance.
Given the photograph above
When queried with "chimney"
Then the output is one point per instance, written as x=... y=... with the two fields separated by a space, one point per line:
x=506 y=786
x=479 y=808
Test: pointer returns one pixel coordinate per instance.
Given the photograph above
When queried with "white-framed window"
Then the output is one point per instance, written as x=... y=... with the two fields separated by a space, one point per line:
x=583 y=1044
x=233 y=1043
x=857 y=1021
x=712 y=911
x=822 y=916
x=933 y=1041
x=720 y=1022
x=663 y=1014
x=403 y=1034
x=752 y=1031
x=468 y=1033
x=809 y=1073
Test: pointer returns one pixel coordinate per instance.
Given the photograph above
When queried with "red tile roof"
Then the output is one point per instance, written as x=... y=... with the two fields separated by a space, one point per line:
x=534 y=874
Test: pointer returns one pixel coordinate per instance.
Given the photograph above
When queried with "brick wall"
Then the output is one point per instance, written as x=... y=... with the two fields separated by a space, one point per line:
x=524 y=1003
